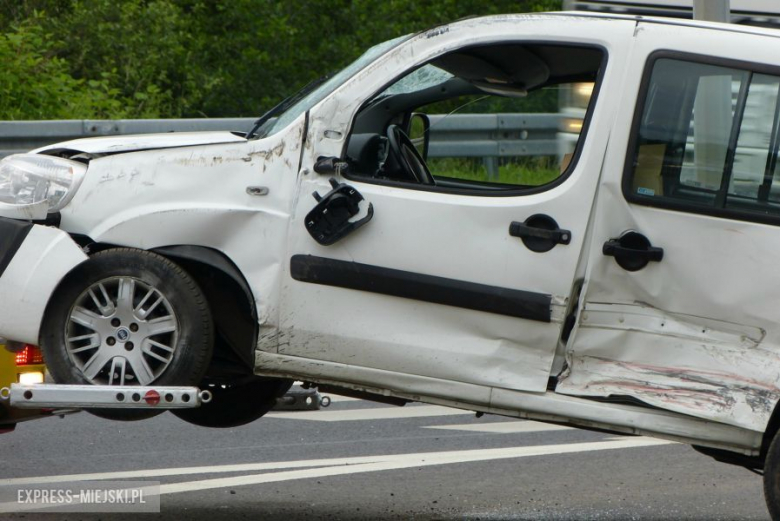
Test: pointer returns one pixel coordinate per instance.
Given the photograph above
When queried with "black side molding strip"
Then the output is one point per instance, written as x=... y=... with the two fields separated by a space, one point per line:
x=12 y=235
x=416 y=286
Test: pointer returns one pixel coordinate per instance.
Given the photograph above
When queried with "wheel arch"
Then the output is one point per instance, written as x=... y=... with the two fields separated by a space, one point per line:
x=235 y=318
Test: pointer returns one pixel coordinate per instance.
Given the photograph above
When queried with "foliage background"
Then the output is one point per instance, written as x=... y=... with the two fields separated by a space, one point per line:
x=71 y=59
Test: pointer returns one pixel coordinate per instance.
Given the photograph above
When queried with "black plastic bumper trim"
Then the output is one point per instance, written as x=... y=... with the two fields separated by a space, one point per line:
x=12 y=235
x=416 y=286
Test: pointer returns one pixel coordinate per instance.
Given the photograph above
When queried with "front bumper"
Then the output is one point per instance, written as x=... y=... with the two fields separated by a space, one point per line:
x=33 y=260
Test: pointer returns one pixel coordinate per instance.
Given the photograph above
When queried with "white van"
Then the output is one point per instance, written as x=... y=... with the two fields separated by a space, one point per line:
x=629 y=285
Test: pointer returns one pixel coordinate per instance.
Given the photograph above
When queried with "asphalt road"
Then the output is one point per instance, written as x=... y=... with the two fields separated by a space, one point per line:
x=359 y=460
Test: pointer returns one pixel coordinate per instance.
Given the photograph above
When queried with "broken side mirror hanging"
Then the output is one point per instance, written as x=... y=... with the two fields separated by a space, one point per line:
x=329 y=221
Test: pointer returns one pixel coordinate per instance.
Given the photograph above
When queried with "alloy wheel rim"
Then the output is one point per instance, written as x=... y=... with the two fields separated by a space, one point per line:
x=121 y=331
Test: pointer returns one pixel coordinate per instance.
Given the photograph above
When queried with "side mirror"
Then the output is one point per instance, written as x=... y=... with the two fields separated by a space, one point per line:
x=419 y=133
x=329 y=221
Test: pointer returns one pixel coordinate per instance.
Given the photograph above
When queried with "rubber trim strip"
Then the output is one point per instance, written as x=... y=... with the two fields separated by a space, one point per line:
x=417 y=286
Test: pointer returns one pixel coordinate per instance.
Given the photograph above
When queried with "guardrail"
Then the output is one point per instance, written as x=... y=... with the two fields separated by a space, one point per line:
x=21 y=136
x=457 y=135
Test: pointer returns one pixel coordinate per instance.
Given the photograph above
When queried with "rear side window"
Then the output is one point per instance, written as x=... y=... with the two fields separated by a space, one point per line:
x=706 y=140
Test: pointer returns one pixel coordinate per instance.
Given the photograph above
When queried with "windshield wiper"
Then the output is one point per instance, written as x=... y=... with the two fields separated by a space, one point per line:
x=285 y=104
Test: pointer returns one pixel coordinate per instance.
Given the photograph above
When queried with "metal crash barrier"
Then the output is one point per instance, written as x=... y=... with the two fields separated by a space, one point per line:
x=456 y=135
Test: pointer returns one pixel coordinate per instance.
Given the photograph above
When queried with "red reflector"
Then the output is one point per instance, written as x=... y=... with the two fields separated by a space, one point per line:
x=29 y=355
x=152 y=397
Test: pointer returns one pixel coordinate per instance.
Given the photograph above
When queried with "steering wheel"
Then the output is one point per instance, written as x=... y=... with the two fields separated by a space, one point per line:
x=405 y=154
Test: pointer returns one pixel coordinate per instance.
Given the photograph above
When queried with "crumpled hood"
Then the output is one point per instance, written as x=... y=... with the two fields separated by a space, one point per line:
x=119 y=144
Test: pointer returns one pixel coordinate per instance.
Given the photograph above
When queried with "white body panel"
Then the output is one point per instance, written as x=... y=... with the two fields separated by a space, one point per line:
x=696 y=333
x=31 y=277
x=198 y=196
x=117 y=144
x=458 y=237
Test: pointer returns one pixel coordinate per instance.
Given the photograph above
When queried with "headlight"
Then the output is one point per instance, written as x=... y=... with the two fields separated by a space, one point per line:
x=37 y=181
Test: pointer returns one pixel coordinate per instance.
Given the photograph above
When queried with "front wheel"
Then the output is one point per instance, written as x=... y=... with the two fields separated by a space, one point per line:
x=127 y=317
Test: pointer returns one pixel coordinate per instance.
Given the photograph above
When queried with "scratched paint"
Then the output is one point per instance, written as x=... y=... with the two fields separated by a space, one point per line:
x=704 y=368
x=694 y=337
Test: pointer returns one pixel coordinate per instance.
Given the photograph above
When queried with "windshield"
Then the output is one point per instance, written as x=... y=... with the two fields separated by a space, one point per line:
x=305 y=100
x=425 y=77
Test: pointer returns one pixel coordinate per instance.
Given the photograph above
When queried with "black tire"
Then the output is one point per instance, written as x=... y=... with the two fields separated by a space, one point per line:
x=148 y=293
x=233 y=405
x=772 y=479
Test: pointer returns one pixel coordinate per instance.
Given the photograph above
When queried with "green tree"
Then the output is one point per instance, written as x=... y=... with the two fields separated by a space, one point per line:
x=36 y=83
x=193 y=58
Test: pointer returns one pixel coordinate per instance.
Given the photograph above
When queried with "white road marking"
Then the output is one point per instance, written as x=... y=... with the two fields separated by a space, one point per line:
x=378 y=413
x=502 y=427
x=404 y=461
x=333 y=466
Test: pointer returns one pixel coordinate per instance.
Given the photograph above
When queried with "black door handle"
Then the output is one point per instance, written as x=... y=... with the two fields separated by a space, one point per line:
x=521 y=230
x=540 y=233
x=632 y=251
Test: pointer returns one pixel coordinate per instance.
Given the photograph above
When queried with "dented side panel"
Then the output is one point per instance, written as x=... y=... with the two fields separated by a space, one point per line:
x=201 y=196
x=697 y=333
x=711 y=369
x=459 y=237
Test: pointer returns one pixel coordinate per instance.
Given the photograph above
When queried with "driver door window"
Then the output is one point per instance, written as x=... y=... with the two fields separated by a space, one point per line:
x=513 y=142
x=502 y=118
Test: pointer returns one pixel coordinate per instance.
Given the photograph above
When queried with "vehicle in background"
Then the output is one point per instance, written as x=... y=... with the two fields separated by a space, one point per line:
x=758 y=13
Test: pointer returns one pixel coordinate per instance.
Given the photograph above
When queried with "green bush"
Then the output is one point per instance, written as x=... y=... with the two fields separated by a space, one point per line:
x=194 y=58
x=37 y=84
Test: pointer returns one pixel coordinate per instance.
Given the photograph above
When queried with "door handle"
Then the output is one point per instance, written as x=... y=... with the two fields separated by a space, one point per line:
x=632 y=251
x=540 y=233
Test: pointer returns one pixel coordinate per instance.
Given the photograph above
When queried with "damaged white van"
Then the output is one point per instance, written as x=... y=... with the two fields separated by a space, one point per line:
x=621 y=273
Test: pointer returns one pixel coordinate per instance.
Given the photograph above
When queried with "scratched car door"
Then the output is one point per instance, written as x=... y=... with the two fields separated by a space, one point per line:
x=441 y=283
x=681 y=308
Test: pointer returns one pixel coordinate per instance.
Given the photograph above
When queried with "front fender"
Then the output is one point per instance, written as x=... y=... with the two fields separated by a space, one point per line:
x=33 y=260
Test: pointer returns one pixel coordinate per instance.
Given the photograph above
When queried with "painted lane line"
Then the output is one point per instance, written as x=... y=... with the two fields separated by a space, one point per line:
x=446 y=456
x=184 y=471
x=503 y=427
x=378 y=413
x=405 y=461
x=396 y=462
